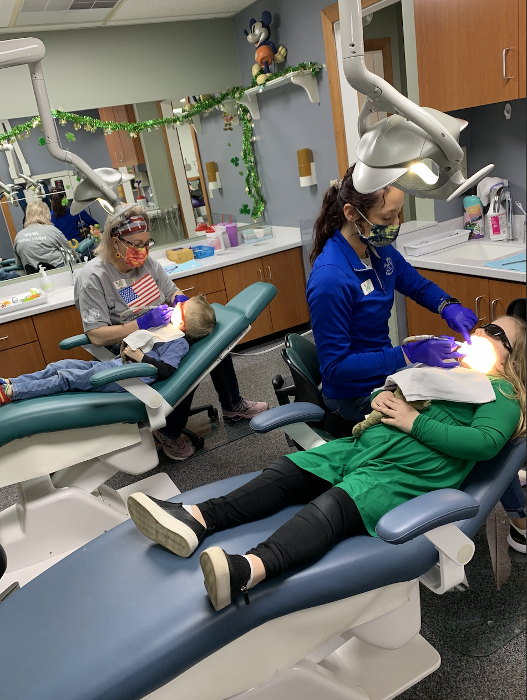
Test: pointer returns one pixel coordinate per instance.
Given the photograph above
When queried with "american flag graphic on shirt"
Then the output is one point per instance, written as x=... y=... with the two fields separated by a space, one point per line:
x=140 y=294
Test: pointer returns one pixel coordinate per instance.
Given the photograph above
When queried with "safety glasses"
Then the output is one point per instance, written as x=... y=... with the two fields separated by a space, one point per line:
x=497 y=332
x=136 y=246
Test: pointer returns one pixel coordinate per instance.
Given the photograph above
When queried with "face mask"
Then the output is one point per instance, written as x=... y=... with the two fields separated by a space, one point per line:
x=380 y=236
x=135 y=258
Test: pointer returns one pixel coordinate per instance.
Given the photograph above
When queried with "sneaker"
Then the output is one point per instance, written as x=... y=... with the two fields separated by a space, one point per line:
x=174 y=448
x=247 y=410
x=168 y=524
x=521 y=475
x=226 y=576
x=4 y=398
x=516 y=539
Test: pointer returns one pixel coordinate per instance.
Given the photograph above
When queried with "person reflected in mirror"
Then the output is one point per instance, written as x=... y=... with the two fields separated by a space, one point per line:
x=73 y=226
x=39 y=243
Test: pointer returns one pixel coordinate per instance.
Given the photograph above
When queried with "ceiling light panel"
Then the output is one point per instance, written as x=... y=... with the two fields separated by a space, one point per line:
x=172 y=9
x=6 y=11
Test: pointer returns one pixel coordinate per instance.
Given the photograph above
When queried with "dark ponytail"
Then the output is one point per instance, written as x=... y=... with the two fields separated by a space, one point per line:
x=57 y=195
x=332 y=216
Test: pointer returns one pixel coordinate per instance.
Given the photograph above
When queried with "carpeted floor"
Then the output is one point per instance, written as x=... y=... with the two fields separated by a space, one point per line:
x=479 y=632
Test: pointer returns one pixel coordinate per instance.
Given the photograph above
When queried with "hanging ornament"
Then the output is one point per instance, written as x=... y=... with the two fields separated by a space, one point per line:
x=41 y=141
x=70 y=136
x=62 y=122
x=76 y=126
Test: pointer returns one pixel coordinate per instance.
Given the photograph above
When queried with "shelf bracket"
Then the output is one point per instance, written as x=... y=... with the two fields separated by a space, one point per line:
x=309 y=83
x=251 y=102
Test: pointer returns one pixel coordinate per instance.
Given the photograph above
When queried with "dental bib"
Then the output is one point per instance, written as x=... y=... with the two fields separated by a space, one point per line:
x=461 y=385
x=145 y=340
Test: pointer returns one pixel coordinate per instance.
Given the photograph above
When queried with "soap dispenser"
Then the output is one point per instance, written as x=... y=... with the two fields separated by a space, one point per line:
x=47 y=284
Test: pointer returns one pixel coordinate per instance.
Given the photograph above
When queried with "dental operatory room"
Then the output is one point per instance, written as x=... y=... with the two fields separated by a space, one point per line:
x=262 y=349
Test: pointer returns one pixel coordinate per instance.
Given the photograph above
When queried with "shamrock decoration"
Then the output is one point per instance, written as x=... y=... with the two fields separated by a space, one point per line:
x=228 y=144
x=70 y=136
x=235 y=161
x=42 y=141
x=240 y=172
x=64 y=201
x=245 y=209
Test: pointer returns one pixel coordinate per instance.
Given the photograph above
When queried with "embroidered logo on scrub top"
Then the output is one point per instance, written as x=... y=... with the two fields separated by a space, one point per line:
x=388 y=266
x=140 y=294
x=120 y=284
x=367 y=287
x=91 y=316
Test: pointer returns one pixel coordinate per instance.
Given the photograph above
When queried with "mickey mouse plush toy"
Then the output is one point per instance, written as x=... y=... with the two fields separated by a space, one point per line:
x=266 y=51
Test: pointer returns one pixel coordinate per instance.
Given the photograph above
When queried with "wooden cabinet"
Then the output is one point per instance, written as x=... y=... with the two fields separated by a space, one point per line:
x=16 y=333
x=217 y=297
x=286 y=271
x=522 y=57
x=468 y=52
x=490 y=297
x=123 y=150
x=24 y=359
x=54 y=326
x=204 y=283
x=238 y=277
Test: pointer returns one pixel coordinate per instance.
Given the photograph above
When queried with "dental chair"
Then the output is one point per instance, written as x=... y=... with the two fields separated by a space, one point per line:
x=62 y=449
x=122 y=618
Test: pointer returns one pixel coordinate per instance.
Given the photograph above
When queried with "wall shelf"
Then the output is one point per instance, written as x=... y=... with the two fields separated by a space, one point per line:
x=303 y=78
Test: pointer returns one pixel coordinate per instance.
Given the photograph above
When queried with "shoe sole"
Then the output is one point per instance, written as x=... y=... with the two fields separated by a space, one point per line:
x=216 y=576
x=159 y=526
x=174 y=458
x=516 y=545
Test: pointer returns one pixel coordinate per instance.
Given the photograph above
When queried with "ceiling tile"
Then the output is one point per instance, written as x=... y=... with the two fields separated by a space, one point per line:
x=174 y=9
x=6 y=10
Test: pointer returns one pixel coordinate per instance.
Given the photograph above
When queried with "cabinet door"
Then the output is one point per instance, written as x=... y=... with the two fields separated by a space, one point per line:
x=113 y=140
x=460 y=52
x=501 y=294
x=22 y=360
x=217 y=297
x=522 y=57
x=238 y=277
x=128 y=144
x=286 y=271
x=54 y=326
x=205 y=282
x=466 y=289
x=16 y=333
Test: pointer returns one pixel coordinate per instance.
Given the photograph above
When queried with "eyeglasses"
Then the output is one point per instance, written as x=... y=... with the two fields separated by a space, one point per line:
x=497 y=332
x=137 y=246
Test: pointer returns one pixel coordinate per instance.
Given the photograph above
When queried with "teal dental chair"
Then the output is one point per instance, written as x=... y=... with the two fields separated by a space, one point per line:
x=61 y=449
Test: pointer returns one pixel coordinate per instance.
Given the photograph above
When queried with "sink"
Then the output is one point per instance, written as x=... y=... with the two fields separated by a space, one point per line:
x=478 y=250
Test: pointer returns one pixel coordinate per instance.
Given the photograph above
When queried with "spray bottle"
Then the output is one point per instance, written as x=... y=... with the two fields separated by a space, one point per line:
x=47 y=284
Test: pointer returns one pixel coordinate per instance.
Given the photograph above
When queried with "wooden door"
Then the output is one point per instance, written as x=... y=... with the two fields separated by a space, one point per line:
x=113 y=140
x=501 y=294
x=286 y=271
x=128 y=145
x=522 y=57
x=465 y=288
x=238 y=277
x=460 y=45
x=54 y=326
x=23 y=359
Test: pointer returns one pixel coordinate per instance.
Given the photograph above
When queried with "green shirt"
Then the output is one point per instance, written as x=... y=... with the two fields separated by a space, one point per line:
x=385 y=467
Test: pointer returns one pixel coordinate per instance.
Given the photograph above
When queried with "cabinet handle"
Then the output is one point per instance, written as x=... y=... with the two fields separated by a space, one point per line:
x=261 y=276
x=492 y=303
x=270 y=276
x=5 y=337
x=505 y=76
x=477 y=304
x=188 y=289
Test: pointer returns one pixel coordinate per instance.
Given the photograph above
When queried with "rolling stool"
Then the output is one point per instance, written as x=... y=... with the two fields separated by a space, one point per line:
x=197 y=441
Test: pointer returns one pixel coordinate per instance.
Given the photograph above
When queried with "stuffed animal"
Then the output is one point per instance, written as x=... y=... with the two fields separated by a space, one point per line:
x=375 y=416
x=266 y=51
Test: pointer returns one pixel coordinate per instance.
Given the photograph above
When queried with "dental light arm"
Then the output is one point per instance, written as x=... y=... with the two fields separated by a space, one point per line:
x=30 y=52
x=397 y=152
x=37 y=186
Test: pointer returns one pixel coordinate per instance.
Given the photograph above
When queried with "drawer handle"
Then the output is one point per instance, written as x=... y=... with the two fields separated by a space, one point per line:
x=505 y=76
x=5 y=337
x=188 y=289
x=492 y=304
x=270 y=276
x=260 y=273
x=477 y=309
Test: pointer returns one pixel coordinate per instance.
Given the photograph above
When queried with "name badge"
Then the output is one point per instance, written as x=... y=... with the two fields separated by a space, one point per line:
x=121 y=284
x=367 y=287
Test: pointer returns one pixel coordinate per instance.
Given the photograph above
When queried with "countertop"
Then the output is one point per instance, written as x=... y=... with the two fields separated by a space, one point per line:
x=284 y=238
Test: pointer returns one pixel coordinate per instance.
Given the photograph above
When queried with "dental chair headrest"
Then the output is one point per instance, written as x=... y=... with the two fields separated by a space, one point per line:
x=517 y=308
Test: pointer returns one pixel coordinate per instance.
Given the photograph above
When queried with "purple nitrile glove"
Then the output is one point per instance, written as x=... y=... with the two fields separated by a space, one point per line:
x=179 y=298
x=159 y=316
x=436 y=352
x=460 y=319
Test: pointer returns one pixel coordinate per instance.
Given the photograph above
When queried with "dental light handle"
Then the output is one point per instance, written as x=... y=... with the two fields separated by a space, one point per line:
x=30 y=51
x=384 y=96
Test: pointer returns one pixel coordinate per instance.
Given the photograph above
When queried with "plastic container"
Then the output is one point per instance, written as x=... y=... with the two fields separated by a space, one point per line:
x=232 y=233
x=202 y=251
x=474 y=213
x=215 y=239
x=47 y=284
x=440 y=241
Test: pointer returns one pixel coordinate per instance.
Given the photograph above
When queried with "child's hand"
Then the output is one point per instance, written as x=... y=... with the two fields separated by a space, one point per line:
x=135 y=355
x=399 y=414
x=379 y=403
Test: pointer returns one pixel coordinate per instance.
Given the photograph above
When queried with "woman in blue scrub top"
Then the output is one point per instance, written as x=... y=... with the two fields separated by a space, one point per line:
x=64 y=220
x=350 y=293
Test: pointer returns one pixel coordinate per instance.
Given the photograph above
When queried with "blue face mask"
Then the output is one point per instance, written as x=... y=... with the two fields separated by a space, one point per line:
x=380 y=235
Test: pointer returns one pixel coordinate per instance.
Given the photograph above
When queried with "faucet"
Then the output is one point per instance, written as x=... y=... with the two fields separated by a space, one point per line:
x=504 y=195
x=69 y=261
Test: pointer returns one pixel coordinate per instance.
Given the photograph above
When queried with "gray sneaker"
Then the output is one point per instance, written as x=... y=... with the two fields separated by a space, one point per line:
x=174 y=448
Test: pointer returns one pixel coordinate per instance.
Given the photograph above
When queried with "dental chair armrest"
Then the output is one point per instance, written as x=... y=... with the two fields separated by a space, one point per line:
x=74 y=342
x=128 y=371
x=299 y=412
x=425 y=513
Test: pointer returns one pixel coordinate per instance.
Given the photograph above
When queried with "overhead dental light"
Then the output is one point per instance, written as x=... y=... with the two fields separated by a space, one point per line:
x=392 y=151
x=99 y=184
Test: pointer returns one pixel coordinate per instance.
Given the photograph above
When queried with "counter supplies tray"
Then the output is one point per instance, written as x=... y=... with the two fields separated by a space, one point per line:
x=432 y=244
x=12 y=306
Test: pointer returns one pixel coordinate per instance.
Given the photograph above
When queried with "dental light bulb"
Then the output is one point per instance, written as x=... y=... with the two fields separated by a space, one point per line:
x=424 y=173
x=481 y=356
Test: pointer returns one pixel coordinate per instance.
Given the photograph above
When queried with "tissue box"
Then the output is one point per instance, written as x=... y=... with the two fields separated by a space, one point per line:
x=257 y=234
x=180 y=255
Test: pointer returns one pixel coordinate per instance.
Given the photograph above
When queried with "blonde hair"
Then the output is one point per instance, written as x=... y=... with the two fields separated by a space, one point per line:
x=514 y=371
x=37 y=212
x=200 y=319
x=105 y=249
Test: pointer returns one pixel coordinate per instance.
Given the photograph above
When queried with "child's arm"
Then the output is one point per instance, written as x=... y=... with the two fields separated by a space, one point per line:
x=169 y=355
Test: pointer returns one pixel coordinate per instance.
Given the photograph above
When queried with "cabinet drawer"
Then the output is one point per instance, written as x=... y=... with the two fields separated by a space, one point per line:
x=217 y=297
x=17 y=333
x=54 y=326
x=205 y=282
x=22 y=360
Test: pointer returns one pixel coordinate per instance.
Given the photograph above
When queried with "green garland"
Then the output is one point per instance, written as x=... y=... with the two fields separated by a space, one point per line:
x=203 y=107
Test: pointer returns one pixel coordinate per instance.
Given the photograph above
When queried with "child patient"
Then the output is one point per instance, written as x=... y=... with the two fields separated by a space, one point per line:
x=195 y=318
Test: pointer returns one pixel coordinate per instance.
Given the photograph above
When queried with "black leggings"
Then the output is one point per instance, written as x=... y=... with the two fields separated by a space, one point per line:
x=330 y=515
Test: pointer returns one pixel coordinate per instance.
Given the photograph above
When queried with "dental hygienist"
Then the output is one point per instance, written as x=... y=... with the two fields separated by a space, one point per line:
x=350 y=294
